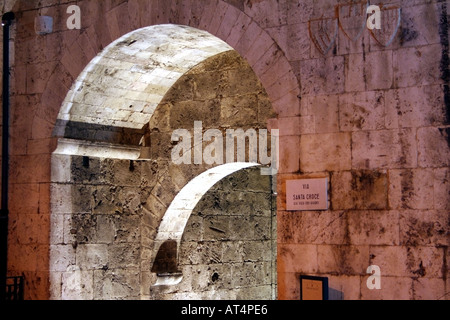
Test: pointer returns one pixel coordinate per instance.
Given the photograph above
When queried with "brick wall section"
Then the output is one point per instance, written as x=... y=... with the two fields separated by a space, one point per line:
x=380 y=112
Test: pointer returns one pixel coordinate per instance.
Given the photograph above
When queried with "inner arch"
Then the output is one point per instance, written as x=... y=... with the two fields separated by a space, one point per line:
x=177 y=215
x=117 y=93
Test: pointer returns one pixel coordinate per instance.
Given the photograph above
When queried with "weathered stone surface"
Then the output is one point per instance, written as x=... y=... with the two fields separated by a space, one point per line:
x=433 y=147
x=384 y=149
x=362 y=111
x=390 y=109
x=359 y=190
x=411 y=189
x=227 y=244
x=325 y=152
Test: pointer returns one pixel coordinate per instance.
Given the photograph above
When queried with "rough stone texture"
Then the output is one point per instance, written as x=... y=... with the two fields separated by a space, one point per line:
x=381 y=111
x=228 y=249
x=112 y=208
x=97 y=225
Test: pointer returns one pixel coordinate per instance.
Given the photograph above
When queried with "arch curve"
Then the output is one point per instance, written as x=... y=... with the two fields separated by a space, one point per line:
x=217 y=17
x=117 y=93
x=177 y=214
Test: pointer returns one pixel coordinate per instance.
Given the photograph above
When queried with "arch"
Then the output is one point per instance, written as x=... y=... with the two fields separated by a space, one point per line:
x=114 y=144
x=217 y=17
x=176 y=217
x=177 y=214
x=117 y=93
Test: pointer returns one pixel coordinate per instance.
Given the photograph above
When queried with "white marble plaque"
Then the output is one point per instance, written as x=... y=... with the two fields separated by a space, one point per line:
x=307 y=194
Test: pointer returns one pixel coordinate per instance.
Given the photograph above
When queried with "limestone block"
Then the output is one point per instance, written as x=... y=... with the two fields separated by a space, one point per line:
x=256 y=293
x=69 y=236
x=105 y=229
x=120 y=172
x=294 y=40
x=312 y=227
x=411 y=189
x=83 y=227
x=415 y=107
x=61 y=195
x=189 y=111
x=322 y=76
x=92 y=256
x=354 y=73
x=433 y=147
x=24 y=198
x=61 y=257
x=429 y=289
x=419 y=29
x=116 y=284
x=265 y=110
x=373 y=227
x=193 y=229
x=390 y=259
x=379 y=70
x=244 y=181
x=362 y=111
x=74 y=280
x=216 y=228
x=244 y=275
x=384 y=149
x=325 y=111
x=325 y=152
x=299 y=258
x=258 y=251
x=29 y=168
x=392 y=288
x=344 y=287
x=417 y=66
x=85 y=170
x=423 y=228
x=246 y=228
x=81 y=198
x=442 y=189
x=299 y=12
x=127 y=255
x=408 y=261
x=193 y=253
x=359 y=190
x=27 y=233
x=56 y=229
x=38 y=75
x=262 y=228
x=289 y=154
x=348 y=260
x=288 y=286
x=236 y=112
x=127 y=228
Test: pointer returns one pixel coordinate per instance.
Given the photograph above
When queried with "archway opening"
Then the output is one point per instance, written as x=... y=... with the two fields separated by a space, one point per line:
x=113 y=177
x=221 y=228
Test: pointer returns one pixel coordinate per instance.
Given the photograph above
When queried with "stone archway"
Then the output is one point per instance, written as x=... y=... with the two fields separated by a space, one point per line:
x=218 y=238
x=112 y=177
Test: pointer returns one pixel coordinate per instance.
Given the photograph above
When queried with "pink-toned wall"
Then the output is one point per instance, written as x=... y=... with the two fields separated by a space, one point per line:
x=373 y=119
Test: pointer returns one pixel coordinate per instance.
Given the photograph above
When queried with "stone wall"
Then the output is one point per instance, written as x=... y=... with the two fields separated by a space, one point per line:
x=373 y=121
x=372 y=118
x=113 y=205
x=99 y=225
x=228 y=249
